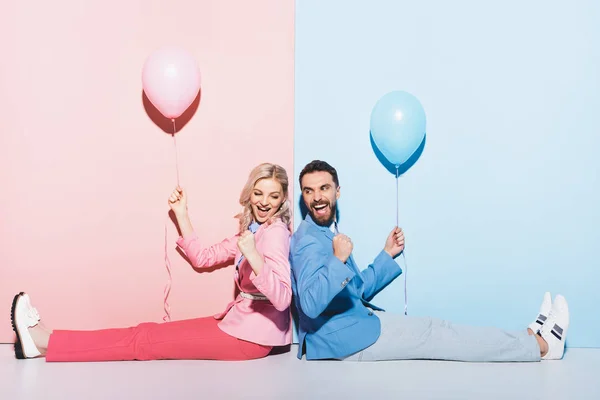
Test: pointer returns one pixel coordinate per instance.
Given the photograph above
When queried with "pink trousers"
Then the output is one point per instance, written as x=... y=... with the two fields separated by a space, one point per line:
x=192 y=339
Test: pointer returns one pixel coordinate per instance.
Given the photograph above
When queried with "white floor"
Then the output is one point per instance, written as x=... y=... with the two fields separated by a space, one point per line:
x=283 y=376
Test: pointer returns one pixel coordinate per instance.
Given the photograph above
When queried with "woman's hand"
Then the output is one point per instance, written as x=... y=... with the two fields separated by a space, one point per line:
x=178 y=202
x=246 y=244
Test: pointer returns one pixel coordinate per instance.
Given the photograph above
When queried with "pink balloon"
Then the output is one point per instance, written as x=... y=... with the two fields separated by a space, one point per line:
x=171 y=80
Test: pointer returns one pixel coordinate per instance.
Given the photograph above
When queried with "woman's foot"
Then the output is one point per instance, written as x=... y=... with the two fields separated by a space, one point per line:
x=32 y=339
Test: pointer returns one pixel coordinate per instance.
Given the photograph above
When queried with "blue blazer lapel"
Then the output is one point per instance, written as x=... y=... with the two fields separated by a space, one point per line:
x=323 y=229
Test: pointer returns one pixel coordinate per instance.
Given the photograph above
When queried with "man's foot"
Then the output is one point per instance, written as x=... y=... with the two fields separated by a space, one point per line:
x=24 y=316
x=554 y=331
x=543 y=314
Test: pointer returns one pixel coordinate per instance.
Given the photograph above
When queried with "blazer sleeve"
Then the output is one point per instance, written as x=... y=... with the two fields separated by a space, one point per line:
x=205 y=257
x=274 y=279
x=319 y=275
x=379 y=274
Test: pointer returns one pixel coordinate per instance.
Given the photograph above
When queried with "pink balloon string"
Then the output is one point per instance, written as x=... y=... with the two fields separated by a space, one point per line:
x=167 y=290
x=176 y=155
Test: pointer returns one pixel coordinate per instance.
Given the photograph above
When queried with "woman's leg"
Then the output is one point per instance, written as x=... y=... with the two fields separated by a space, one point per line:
x=190 y=339
x=198 y=338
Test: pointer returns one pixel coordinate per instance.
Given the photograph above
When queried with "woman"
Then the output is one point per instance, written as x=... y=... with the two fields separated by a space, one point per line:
x=250 y=326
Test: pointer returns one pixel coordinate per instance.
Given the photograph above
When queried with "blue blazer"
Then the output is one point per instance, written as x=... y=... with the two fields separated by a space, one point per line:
x=331 y=297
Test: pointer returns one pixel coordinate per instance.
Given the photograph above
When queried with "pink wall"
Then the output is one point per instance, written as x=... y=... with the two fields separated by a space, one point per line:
x=85 y=172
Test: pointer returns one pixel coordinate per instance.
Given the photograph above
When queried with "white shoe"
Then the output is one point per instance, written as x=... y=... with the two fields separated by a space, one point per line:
x=543 y=314
x=554 y=331
x=23 y=317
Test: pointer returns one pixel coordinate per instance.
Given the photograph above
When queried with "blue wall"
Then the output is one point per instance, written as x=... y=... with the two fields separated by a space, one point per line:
x=503 y=204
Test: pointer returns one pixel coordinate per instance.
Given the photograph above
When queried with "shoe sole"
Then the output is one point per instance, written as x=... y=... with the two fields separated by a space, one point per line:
x=18 y=346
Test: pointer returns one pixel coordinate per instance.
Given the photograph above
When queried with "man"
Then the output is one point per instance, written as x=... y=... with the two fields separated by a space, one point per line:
x=337 y=320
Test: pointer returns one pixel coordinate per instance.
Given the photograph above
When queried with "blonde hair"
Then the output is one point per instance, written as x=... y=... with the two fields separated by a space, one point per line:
x=264 y=171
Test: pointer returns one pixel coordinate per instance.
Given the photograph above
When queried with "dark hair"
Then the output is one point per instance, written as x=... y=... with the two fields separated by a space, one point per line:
x=319 y=166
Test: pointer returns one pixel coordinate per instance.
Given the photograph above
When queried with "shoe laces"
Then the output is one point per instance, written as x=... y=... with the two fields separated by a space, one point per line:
x=33 y=315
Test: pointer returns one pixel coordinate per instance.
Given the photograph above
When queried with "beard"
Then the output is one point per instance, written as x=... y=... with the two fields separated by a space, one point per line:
x=323 y=220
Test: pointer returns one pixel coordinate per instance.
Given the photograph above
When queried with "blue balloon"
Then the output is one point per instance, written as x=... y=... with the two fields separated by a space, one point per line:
x=398 y=126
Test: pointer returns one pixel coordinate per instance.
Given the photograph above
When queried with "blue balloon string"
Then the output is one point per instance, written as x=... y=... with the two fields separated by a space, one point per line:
x=403 y=251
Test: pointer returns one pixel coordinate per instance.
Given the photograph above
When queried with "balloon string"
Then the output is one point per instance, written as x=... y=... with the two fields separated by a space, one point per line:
x=403 y=251
x=397 y=200
x=176 y=153
x=167 y=291
x=405 y=294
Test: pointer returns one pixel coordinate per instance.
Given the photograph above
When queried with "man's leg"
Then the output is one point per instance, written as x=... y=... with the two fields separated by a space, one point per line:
x=406 y=337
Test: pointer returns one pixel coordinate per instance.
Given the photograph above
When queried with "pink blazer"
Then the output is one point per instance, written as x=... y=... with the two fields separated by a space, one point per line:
x=264 y=322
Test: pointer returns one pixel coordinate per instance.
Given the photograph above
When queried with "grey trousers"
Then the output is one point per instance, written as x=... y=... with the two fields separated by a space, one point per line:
x=408 y=338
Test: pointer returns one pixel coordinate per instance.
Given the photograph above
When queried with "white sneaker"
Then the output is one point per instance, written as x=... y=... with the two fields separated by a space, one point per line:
x=23 y=317
x=543 y=314
x=554 y=331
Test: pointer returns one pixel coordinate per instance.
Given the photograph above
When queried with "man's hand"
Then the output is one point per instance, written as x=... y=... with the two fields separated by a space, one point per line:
x=394 y=244
x=342 y=247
